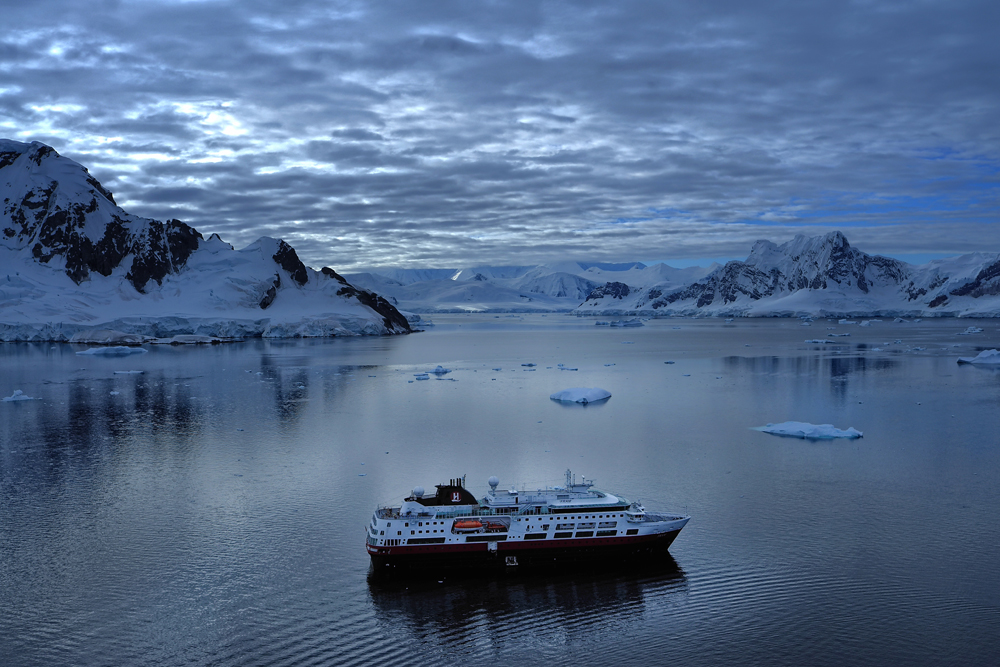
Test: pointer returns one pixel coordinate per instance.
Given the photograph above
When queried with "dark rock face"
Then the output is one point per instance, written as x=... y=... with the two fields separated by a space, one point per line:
x=271 y=292
x=986 y=283
x=392 y=318
x=614 y=289
x=53 y=225
x=289 y=261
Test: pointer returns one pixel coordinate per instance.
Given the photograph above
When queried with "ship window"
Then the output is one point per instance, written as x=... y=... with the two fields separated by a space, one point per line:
x=389 y=525
x=421 y=523
x=381 y=532
x=399 y=532
x=411 y=532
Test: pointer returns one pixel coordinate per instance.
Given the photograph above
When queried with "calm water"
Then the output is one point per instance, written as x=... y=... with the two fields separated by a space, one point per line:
x=212 y=510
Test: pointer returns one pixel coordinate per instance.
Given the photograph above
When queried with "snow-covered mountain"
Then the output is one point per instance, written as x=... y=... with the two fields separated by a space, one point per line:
x=73 y=263
x=558 y=287
x=821 y=276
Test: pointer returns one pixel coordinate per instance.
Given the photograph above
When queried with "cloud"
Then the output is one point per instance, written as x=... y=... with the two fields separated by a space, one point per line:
x=395 y=133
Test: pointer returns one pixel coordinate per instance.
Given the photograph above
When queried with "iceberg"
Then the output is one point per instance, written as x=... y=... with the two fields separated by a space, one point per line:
x=986 y=358
x=441 y=370
x=19 y=395
x=970 y=330
x=582 y=395
x=114 y=351
x=809 y=431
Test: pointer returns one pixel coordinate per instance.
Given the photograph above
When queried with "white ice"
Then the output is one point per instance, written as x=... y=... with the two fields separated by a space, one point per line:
x=581 y=395
x=810 y=431
x=441 y=370
x=986 y=358
x=18 y=395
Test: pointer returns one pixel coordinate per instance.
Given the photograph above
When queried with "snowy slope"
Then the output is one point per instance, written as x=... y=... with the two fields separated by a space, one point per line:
x=73 y=262
x=820 y=276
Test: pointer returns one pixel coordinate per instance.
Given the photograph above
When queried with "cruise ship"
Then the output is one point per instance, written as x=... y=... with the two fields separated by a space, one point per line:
x=574 y=523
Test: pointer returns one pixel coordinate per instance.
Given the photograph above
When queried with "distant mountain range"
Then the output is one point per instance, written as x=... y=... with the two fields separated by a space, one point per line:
x=75 y=266
x=818 y=276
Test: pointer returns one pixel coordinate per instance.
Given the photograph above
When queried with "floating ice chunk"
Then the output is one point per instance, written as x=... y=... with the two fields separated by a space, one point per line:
x=899 y=320
x=805 y=324
x=668 y=362
x=876 y=349
x=602 y=323
x=115 y=393
x=986 y=358
x=838 y=335
x=529 y=365
x=566 y=368
x=581 y=395
x=970 y=330
x=441 y=370
x=422 y=376
x=847 y=322
x=134 y=372
x=498 y=369
x=114 y=350
x=609 y=364
x=18 y=395
x=809 y=431
x=728 y=320
x=819 y=341
x=865 y=323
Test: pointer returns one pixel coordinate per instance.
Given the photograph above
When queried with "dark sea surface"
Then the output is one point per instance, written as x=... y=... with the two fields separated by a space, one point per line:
x=211 y=510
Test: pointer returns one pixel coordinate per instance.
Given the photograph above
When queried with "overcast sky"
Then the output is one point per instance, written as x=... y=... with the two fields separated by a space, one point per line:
x=443 y=134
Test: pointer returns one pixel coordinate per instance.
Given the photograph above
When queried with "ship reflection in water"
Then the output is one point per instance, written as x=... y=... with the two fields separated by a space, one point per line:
x=541 y=609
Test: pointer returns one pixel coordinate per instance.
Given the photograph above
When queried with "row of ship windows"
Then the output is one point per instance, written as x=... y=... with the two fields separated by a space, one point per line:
x=559 y=527
x=392 y=542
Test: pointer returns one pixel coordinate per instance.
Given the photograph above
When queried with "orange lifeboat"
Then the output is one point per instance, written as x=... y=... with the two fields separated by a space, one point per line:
x=467 y=525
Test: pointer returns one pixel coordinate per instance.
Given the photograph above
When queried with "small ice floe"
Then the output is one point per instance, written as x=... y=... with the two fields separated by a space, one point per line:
x=899 y=320
x=986 y=358
x=809 y=431
x=114 y=350
x=133 y=372
x=729 y=320
x=917 y=349
x=422 y=376
x=876 y=349
x=115 y=393
x=967 y=332
x=441 y=370
x=602 y=323
x=529 y=365
x=819 y=341
x=582 y=395
x=806 y=324
x=500 y=369
x=628 y=323
x=566 y=368
x=609 y=364
x=865 y=323
x=668 y=362
x=18 y=395
x=838 y=335
x=847 y=322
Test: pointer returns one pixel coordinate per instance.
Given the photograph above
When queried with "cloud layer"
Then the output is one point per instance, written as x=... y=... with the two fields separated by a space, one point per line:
x=394 y=133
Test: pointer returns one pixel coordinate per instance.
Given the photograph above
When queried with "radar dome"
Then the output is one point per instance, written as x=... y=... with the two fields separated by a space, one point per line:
x=493 y=481
x=418 y=492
